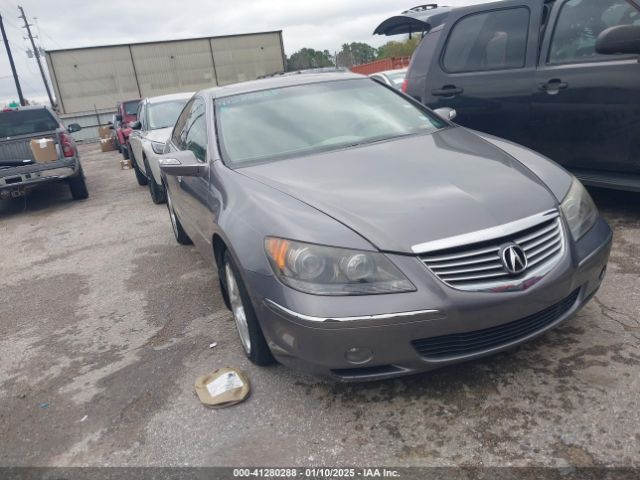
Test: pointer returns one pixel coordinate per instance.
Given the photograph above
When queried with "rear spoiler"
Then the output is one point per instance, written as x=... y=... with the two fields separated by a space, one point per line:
x=418 y=19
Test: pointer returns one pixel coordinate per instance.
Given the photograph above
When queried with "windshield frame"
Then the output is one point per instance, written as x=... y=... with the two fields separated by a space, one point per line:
x=224 y=157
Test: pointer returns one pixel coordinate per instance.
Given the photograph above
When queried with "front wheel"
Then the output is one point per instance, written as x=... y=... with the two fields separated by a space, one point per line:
x=141 y=177
x=181 y=236
x=251 y=337
x=157 y=192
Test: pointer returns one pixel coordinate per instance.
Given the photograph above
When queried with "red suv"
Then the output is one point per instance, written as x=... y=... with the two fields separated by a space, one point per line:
x=126 y=113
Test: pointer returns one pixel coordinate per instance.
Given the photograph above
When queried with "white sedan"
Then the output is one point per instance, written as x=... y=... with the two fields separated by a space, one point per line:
x=156 y=118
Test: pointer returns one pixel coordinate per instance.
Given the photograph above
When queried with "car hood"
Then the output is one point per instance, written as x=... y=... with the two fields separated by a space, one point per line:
x=401 y=193
x=159 y=135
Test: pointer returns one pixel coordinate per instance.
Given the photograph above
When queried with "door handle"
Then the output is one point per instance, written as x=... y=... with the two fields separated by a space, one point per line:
x=553 y=86
x=447 y=91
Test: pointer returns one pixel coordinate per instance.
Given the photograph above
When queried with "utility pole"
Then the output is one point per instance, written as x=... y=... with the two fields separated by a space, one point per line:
x=13 y=65
x=36 y=52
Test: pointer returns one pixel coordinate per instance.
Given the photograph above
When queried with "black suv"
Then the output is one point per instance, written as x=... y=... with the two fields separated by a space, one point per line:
x=559 y=76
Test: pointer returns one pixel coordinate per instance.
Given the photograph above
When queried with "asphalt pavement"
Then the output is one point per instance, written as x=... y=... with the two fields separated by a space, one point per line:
x=106 y=322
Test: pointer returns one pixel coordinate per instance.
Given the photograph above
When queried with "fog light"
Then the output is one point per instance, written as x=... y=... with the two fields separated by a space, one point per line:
x=603 y=272
x=358 y=355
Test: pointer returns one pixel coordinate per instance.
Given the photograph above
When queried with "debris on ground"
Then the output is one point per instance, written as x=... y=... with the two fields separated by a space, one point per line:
x=214 y=344
x=222 y=388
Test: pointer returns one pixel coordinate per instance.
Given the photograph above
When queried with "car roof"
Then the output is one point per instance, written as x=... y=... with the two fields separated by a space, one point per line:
x=279 y=82
x=168 y=98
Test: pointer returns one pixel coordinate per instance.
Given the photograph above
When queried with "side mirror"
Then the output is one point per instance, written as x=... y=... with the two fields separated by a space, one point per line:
x=619 y=39
x=73 y=127
x=446 y=113
x=182 y=163
x=118 y=117
x=135 y=125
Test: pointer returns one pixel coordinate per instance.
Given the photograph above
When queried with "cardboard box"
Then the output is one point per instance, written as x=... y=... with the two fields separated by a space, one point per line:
x=44 y=150
x=104 y=132
x=107 y=144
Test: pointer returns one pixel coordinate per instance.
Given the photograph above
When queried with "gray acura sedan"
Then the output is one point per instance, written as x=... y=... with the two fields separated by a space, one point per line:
x=358 y=234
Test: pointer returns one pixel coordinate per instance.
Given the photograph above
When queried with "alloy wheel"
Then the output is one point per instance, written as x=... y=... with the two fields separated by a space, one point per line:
x=239 y=314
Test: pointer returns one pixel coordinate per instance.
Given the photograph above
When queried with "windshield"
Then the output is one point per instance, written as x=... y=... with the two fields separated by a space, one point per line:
x=131 y=108
x=306 y=119
x=165 y=114
x=25 y=122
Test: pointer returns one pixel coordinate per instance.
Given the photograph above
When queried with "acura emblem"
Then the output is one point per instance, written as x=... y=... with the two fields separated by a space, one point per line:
x=514 y=259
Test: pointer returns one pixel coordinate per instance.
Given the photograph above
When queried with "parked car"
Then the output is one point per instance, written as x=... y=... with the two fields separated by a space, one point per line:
x=126 y=113
x=114 y=125
x=393 y=78
x=19 y=170
x=358 y=234
x=561 y=77
x=156 y=117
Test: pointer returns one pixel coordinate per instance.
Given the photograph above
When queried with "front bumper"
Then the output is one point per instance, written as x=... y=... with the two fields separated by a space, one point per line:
x=388 y=343
x=30 y=176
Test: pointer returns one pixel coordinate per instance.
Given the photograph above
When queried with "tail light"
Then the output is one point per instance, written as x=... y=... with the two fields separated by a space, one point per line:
x=66 y=144
x=404 y=86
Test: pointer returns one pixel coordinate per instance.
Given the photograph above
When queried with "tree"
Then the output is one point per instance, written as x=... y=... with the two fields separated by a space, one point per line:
x=356 y=53
x=399 y=49
x=309 y=58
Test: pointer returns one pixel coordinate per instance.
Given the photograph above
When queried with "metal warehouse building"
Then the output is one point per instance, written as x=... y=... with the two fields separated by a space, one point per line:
x=94 y=79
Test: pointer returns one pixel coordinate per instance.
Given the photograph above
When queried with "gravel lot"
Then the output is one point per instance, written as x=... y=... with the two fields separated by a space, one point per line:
x=105 y=324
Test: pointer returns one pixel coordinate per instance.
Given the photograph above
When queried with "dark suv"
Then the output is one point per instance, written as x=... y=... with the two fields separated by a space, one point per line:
x=559 y=76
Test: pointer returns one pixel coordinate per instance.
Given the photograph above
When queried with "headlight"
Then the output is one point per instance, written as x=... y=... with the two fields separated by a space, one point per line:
x=579 y=210
x=324 y=270
x=157 y=147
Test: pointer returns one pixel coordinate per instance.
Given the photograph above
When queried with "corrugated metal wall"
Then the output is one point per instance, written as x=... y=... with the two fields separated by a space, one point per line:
x=89 y=78
x=172 y=67
x=247 y=58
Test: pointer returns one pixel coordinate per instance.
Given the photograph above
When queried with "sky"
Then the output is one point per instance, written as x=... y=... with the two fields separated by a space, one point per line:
x=318 y=24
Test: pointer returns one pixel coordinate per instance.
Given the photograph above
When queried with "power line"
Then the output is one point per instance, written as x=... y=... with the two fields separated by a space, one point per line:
x=36 y=52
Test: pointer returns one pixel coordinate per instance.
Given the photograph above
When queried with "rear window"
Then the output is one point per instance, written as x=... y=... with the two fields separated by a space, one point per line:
x=131 y=108
x=24 y=122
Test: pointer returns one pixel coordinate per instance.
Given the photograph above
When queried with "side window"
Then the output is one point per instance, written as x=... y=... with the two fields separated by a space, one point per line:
x=196 y=131
x=494 y=40
x=177 y=137
x=579 y=24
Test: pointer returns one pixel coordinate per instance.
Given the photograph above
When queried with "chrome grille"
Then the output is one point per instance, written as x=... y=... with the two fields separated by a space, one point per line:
x=478 y=266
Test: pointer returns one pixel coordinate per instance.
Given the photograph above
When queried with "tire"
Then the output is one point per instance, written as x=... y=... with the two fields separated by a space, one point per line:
x=125 y=151
x=157 y=192
x=78 y=186
x=141 y=177
x=251 y=337
x=181 y=236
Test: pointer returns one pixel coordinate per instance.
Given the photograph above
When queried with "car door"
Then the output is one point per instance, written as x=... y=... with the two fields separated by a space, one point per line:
x=586 y=107
x=486 y=67
x=194 y=191
x=136 y=136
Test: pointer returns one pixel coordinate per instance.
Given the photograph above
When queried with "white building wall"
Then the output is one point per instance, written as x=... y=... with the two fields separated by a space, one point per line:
x=98 y=77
